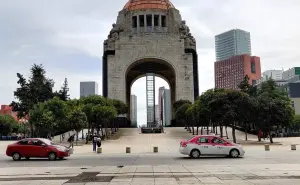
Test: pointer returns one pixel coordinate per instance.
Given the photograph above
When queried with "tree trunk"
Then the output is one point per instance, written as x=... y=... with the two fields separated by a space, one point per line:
x=193 y=129
x=207 y=128
x=77 y=137
x=102 y=133
x=197 y=130
x=258 y=135
x=233 y=133
x=216 y=129
x=201 y=130
x=221 y=131
x=246 y=133
x=226 y=132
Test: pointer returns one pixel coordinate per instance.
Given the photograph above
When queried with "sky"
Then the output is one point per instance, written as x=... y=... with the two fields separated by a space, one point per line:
x=67 y=38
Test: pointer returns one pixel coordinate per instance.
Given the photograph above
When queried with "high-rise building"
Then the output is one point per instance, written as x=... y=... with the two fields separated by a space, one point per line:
x=133 y=110
x=292 y=75
x=88 y=88
x=293 y=91
x=160 y=104
x=167 y=112
x=230 y=72
x=275 y=75
x=232 y=43
x=157 y=117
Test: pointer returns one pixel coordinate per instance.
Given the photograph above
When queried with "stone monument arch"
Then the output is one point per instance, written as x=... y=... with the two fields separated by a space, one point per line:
x=150 y=36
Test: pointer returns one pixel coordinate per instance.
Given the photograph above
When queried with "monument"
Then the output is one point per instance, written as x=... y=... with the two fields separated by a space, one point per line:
x=150 y=37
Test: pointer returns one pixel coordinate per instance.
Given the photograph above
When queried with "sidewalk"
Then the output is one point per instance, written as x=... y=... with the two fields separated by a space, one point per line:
x=154 y=175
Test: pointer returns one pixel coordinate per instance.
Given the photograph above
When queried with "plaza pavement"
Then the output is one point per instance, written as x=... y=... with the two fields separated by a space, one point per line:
x=143 y=167
x=273 y=174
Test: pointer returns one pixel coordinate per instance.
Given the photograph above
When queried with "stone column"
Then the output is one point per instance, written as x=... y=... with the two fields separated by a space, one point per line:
x=152 y=22
x=159 y=21
x=138 y=23
x=145 y=23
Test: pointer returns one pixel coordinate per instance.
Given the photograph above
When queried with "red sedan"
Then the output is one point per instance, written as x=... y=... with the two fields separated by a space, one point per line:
x=36 y=148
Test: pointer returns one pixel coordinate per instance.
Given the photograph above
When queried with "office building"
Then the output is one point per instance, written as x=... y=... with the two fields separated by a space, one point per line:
x=133 y=110
x=232 y=43
x=7 y=110
x=292 y=75
x=166 y=106
x=275 y=75
x=160 y=104
x=157 y=115
x=293 y=91
x=88 y=88
x=230 y=72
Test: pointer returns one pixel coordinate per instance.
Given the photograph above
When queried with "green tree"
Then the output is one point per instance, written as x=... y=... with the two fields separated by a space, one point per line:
x=7 y=123
x=76 y=119
x=103 y=114
x=181 y=115
x=121 y=108
x=38 y=88
x=63 y=92
x=50 y=117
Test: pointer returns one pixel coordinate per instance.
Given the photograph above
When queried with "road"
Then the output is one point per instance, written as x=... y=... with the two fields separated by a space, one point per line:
x=253 y=155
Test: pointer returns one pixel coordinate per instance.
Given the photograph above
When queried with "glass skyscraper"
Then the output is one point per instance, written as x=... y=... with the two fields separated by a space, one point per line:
x=232 y=43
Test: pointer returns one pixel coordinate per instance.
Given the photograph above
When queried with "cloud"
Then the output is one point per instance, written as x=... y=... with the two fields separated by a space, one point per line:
x=67 y=37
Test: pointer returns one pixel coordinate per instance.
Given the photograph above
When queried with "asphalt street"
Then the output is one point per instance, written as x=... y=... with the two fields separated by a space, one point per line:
x=253 y=157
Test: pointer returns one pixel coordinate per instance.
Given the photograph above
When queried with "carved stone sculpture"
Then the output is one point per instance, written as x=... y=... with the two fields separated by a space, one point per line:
x=109 y=43
x=184 y=30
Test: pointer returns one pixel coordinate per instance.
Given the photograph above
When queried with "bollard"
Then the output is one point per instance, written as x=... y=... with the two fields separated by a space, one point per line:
x=293 y=147
x=99 y=150
x=267 y=147
x=128 y=150
x=155 y=149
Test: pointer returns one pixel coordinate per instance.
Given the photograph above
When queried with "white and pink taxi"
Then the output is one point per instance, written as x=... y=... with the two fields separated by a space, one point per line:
x=206 y=145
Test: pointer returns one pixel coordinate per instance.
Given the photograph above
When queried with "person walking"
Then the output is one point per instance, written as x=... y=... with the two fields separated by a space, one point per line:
x=71 y=140
x=99 y=141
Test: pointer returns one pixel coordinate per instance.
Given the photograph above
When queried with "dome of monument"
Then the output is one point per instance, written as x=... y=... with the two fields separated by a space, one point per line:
x=148 y=4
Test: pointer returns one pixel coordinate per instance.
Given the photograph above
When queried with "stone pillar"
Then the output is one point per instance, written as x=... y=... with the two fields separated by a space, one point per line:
x=152 y=22
x=159 y=21
x=145 y=23
x=138 y=23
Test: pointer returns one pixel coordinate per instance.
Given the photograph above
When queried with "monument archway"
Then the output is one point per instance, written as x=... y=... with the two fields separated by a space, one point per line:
x=159 y=67
x=150 y=37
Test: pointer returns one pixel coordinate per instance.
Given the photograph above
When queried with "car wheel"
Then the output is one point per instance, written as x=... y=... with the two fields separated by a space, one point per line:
x=16 y=156
x=234 y=153
x=195 y=153
x=52 y=156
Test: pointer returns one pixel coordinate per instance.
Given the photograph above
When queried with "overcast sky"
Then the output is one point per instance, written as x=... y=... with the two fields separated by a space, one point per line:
x=66 y=36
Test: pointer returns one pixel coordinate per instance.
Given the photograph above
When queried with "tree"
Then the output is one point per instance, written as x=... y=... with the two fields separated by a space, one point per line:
x=76 y=119
x=121 y=108
x=50 y=117
x=63 y=92
x=179 y=103
x=7 y=123
x=103 y=114
x=181 y=115
x=37 y=89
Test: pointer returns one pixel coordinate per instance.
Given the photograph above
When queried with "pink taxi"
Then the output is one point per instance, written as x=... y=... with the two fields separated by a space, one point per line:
x=206 y=145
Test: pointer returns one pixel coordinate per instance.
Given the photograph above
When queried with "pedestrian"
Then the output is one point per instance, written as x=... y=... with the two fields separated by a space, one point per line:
x=95 y=138
x=99 y=141
x=71 y=140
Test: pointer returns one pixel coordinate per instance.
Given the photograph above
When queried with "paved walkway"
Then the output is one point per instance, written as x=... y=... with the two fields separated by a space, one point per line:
x=277 y=174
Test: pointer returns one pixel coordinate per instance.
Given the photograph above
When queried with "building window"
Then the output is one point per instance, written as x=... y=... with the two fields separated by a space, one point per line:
x=156 y=20
x=134 y=21
x=253 y=67
x=149 y=20
x=163 y=21
x=142 y=20
x=293 y=104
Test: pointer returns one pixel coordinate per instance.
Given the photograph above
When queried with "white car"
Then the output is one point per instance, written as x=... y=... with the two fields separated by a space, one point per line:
x=210 y=145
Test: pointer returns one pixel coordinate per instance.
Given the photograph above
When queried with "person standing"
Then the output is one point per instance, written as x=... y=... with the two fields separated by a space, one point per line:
x=95 y=138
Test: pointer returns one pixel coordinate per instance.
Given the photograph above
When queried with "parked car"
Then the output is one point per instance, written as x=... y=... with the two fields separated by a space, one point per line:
x=37 y=148
x=206 y=145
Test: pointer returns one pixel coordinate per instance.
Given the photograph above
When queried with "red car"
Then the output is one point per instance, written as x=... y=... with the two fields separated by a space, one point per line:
x=36 y=148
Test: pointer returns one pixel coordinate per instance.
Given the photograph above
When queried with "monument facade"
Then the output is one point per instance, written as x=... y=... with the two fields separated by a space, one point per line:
x=150 y=36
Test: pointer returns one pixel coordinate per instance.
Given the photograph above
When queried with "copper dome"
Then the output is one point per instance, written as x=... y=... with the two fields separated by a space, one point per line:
x=148 y=4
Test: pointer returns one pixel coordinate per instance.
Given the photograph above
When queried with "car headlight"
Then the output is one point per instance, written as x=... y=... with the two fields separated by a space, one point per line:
x=61 y=149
